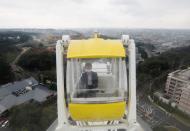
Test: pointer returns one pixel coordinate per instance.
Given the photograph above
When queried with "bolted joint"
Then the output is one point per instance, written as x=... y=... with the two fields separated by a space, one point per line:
x=125 y=40
x=66 y=39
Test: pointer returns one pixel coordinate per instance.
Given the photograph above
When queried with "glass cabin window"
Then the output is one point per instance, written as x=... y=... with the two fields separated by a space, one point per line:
x=100 y=78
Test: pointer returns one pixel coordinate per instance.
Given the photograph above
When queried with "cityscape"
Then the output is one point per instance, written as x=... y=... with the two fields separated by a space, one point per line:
x=28 y=77
x=99 y=65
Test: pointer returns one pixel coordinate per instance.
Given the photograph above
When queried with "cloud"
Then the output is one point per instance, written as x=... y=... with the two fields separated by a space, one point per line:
x=124 y=2
x=97 y=13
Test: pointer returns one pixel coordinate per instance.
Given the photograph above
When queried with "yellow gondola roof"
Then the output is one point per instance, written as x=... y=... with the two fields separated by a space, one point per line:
x=95 y=48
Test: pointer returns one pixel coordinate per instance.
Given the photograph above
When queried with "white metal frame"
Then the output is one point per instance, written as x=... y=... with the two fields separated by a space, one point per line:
x=61 y=103
x=130 y=124
x=132 y=115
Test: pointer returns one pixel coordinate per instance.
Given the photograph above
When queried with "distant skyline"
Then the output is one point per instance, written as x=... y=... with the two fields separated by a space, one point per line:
x=170 y=14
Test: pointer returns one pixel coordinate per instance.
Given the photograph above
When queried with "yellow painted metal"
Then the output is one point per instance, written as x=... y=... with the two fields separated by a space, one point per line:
x=95 y=48
x=97 y=112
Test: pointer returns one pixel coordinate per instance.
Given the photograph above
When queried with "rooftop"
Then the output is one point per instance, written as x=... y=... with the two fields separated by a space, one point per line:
x=17 y=85
x=182 y=74
x=95 y=48
x=19 y=92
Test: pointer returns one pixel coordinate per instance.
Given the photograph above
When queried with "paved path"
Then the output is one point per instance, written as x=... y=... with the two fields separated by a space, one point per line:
x=24 y=50
x=160 y=117
x=19 y=72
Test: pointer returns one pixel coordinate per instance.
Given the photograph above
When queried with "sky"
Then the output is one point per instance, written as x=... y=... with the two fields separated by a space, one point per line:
x=95 y=14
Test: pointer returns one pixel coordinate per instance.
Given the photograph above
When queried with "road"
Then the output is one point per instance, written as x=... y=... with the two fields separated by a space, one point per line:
x=143 y=124
x=18 y=71
x=158 y=116
x=24 y=50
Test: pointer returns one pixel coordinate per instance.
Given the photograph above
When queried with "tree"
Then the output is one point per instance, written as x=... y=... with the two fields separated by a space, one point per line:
x=32 y=116
x=6 y=74
x=154 y=71
x=25 y=117
x=38 y=60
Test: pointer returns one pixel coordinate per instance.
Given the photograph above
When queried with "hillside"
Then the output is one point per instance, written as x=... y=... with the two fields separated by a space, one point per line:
x=152 y=73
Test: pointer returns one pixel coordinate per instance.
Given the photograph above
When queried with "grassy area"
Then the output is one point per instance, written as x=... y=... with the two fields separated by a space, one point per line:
x=33 y=116
x=185 y=120
x=171 y=128
x=165 y=128
x=11 y=56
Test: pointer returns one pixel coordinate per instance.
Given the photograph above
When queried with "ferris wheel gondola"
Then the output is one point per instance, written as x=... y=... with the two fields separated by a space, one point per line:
x=96 y=85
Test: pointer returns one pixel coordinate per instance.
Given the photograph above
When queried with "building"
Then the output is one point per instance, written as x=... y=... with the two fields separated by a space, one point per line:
x=178 y=89
x=20 y=92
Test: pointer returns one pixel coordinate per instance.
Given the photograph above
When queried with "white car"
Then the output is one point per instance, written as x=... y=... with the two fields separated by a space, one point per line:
x=5 y=123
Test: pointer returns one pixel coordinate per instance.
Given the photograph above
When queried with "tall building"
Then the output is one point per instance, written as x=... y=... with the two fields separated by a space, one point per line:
x=178 y=89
